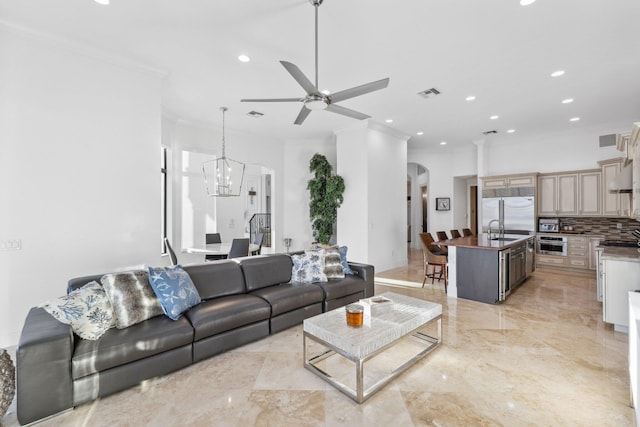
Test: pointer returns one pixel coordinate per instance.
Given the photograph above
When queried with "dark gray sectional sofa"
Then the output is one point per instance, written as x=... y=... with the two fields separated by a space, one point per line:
x=243 y=300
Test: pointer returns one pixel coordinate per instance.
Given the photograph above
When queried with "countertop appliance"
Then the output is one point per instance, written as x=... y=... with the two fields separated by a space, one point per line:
x=551 y=245
x=519 y=210
x=548 y=225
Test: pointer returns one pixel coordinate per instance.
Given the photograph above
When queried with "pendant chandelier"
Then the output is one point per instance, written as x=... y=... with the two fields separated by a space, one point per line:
x=223 y=176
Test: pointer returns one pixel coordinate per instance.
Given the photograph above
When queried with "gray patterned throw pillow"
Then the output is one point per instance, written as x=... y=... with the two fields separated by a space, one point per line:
x=131 y=296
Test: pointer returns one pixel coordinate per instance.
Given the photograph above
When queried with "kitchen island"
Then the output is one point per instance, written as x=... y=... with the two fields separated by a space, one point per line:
x=486 y=269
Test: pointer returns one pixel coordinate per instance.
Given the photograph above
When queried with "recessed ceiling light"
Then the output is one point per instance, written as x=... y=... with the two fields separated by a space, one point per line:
x=557 y=73
x=526 y=2
x=443 y=143
x=567 y=101
x=470 y=98
x=494 y=117
x=511 y=130
x=420 y=133
x=389 y=120
x=102 y=2
x=244 y=58
x=574 y=119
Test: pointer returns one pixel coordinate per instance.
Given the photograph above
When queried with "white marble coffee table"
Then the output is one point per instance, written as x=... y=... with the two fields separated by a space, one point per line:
x=387 y=324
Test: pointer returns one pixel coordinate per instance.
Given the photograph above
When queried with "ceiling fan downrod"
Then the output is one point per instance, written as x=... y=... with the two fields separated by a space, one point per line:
x=316 y=4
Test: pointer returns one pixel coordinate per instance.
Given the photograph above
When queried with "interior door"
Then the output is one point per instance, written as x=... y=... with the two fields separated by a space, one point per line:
x=425 y=208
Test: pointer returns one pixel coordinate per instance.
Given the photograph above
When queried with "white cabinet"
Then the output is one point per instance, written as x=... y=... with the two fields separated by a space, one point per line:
x=619 y=276
x=570 y=194
x=593 y=244
x=509 y=181
x=589 y=196
x=613 y=204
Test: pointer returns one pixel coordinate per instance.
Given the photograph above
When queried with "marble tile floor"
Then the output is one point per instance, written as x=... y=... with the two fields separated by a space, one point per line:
x=542 y=358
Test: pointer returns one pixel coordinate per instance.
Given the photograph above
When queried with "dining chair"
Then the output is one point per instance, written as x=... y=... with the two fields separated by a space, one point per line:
x=172 y=255
x=213 y=238
x=434 y=259
x=239 y=248
x=466 y=232
x=258 y=241
x=455 y=234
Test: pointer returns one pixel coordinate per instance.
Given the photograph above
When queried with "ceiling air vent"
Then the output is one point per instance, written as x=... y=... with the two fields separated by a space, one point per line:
x=255 y=114
x=489 y=132
x=428 y=93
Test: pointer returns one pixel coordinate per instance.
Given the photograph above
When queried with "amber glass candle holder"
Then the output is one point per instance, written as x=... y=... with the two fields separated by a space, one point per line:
x=355 y=315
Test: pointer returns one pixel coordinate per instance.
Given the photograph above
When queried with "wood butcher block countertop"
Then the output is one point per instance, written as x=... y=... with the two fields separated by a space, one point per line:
x=483 y=242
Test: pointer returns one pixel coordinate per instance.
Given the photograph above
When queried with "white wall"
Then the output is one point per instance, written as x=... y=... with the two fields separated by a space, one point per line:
x=372 y=221
x=79 y=166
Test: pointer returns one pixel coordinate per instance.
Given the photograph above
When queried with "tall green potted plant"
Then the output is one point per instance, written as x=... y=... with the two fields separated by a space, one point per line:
x=325 y=191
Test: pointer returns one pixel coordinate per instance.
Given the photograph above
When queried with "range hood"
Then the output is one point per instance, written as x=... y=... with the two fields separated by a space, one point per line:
x=622 y=183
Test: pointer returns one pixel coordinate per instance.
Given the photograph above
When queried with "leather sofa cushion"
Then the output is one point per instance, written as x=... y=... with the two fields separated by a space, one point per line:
x=226 y=313
x=217 y=279
x=266 y=270
x=334 y=289
x=288 y=297
x=120 y=346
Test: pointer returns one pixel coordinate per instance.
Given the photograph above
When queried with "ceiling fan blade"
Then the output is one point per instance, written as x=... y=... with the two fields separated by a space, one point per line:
x=272 y=100
x=346 y=112
x=300 y=78
x=304 y=112
x=359 y=90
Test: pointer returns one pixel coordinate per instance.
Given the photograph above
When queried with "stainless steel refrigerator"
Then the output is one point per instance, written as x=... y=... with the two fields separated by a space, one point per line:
x=519 y=214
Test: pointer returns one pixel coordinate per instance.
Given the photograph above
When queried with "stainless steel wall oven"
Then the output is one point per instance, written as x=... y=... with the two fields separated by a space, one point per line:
x=551 y=245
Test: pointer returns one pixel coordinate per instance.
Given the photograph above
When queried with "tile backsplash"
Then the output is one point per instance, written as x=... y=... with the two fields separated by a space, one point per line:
x=608 y=227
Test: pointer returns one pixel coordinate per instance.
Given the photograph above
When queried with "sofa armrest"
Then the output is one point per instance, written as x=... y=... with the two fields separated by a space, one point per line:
x=366 y=272
x=43 y=367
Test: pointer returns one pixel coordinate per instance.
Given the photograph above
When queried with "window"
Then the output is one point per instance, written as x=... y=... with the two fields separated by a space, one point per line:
x=163 y=196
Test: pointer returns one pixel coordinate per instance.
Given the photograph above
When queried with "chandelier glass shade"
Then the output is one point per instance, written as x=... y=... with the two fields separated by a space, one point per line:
x=223 y=176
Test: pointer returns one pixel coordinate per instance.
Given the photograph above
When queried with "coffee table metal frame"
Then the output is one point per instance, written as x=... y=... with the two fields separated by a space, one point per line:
x=360 y=394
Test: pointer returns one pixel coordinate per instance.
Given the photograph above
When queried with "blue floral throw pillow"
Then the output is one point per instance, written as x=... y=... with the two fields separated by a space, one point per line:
x=343 y=260
x=88 y=311
x=308 y=268
x=175 y=290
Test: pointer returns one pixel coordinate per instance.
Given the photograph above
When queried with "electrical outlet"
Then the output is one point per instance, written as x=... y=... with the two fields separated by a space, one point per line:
x=619 y=226
x=11 y=245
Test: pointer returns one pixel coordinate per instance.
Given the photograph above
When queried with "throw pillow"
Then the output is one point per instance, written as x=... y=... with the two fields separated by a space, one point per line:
x=131 y=296
x=175 y=290
x=87 y=310
x=308 y=268
x=332 y=263
x=343 y=260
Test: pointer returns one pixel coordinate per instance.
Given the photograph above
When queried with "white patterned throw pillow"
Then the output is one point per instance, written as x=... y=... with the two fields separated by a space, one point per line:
x=308 y=268
x=87 y=310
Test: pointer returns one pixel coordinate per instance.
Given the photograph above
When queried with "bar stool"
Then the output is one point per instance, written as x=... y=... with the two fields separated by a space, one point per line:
x=466 y=232
x=433 y=258
x=455 y=234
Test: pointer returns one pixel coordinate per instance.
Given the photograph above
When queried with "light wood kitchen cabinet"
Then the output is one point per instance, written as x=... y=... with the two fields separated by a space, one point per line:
x=508 y=181
x=578 y=251
x=570 y=194
x=593 y=244
x=613 y=204
x=589 y=196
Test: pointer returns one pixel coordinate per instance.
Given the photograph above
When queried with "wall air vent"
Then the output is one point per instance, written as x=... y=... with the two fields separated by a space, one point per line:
x=255 y=114
x=489 y=132
x=428 y=93
x=607 y=140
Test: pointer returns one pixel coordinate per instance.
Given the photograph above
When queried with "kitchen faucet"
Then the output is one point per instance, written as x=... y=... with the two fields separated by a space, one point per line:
x=500 y=227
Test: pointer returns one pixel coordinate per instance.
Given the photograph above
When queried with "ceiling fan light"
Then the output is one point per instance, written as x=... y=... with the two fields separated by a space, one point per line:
x=315 y=104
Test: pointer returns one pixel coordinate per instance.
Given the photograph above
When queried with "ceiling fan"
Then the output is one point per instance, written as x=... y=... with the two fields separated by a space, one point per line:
x=316 y=100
